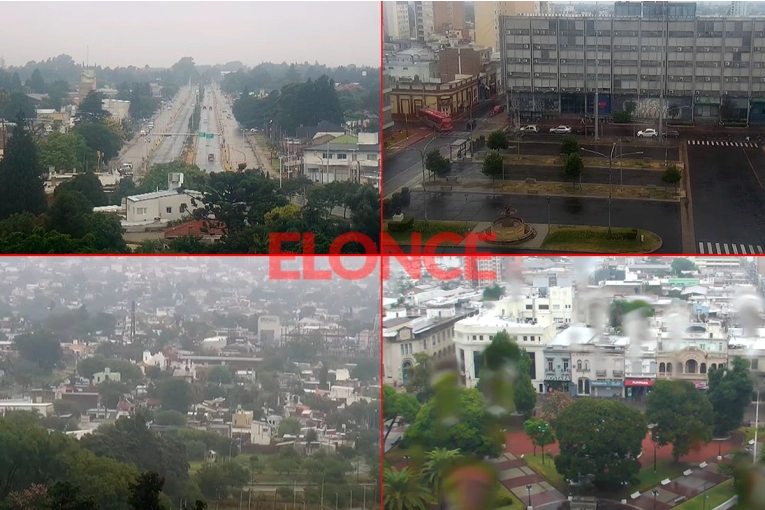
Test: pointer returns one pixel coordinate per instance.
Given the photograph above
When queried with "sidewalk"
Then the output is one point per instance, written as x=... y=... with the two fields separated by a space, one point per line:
x=400 y=142
x=261 y=156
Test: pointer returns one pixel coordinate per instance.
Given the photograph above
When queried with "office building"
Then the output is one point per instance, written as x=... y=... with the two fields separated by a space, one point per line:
x=487 y=15
x=396 y=21
x=701 y=66
x=482 y=272
x=738 y=9
x=448 y=17
x=423 y=21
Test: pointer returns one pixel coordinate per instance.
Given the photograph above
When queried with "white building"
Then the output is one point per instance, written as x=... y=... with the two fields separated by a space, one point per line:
x=482 y=272
x=44 y=408
x=119 y=109
x=269 y=330
x=551 y=305
x=472 y=335
x=156 y=360
x=215 y=343
x=161 y=206
x=106 y=375
x=424 y=24
x=396 y=20
x=344 y=158
x=738 y=9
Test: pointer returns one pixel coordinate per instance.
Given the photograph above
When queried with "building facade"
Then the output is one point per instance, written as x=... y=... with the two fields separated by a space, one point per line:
x=423 y=21
x=487 y=15
x=161 y=206
x=598 y=367
x=387 y=119
x=448 y=17
x=453 y=98
x=665 y=61
x=690 y=358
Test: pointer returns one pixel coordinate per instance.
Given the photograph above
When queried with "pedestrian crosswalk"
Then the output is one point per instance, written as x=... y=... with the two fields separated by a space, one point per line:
x=723 y=143
x=710 y=248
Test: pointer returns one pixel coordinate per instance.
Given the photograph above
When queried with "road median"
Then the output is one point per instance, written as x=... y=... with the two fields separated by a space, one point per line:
x=547 y=188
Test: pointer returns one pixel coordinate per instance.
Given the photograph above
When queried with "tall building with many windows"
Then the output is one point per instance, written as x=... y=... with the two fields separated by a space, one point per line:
x=487 y=15
x=662 y=60
x=396 y=21
x=423 y=21
x=448 y=16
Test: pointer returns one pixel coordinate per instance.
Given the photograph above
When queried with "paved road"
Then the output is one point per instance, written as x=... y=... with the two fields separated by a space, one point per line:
x=172 y=146
x=728 y=193
x=136 y=149
x=663 y=218
x=206 y=146
x=239 y=149
x=472 y=171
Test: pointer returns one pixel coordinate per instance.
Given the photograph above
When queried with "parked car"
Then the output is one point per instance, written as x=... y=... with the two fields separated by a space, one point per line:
x=531 y=128
x=561 y=130
x=498 y=109
x=672 y=134
x=648 y=133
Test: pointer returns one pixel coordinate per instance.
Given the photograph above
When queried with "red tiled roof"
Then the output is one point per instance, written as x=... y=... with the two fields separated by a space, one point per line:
x=198 y=228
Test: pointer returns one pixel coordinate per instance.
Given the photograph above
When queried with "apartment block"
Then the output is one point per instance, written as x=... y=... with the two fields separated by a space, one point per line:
x=553 y=65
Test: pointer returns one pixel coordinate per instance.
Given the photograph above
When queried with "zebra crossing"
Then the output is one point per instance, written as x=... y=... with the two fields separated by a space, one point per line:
x=723 y=143
x=710 y=248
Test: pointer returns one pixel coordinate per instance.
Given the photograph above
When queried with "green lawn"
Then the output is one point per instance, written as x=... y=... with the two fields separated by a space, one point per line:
x=430 y=228
x=749 y=433
x=547 y=469
x=597 y=240
x=664 y=469
x=716 y=497
x=517 y=504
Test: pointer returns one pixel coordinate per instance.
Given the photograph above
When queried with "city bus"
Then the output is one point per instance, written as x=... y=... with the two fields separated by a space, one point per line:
x=437 y=120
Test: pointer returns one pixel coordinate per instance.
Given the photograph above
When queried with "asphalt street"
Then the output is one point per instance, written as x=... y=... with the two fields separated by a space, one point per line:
x=240 y=150
x=137 y=150
x=206 y=146
x=405 y=168
x=728 y=193
x=172 y=146
x=472 y=171
x=663 y=218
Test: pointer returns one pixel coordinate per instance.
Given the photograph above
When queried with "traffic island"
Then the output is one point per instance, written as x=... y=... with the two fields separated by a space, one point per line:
x=549 y=188
x=586 y=239
x=557 y=161
x=402 y=236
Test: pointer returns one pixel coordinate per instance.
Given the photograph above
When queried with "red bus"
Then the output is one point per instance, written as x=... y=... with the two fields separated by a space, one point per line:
x=437 y=120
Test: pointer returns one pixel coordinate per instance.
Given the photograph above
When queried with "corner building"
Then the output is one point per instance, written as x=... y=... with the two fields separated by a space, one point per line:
x=552 y=65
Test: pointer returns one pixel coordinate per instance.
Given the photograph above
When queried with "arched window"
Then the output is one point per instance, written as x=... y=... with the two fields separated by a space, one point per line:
x=586 y=364
x=669 y=368
x=703 y=369
x=579 y=364
x=406 y=370
x=713 y=366
x=691 y=367
x=583 y=386
x=662 y=368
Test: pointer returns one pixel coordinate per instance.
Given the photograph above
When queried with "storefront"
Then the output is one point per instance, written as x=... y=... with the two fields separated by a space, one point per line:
x=637 y=389
x=559 y=383
x=607 y=388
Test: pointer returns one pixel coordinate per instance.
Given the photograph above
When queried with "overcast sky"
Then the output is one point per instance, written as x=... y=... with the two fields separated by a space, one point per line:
x=161 y=33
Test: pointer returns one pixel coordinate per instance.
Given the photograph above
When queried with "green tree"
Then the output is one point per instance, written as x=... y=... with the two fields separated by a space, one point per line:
x=476 y=434
x=156 y=177
x=70 y=214
x=89 y=185
x=91 y=109
x=573 y=167
x=99 y=137
x=497 y=140
x=420 y=377
x=730 y=393
x=728 y=110
x=36 y=82
x=553 y=404
x=672 y=176
x=600 y=437
x=437 y=164
x=289 y=426
x=172 y=418
x=66 y=496
x=681 y=265
x=404 y=490
x=439 y=463
x=220 y=375
x=41 y=348
x=569 y=146
x=620 y=308
x=398 y=407
x=524 y=394
x=541 y=434
x=66 y=152
x=144 y=492
x=21 y=176
x=493 y=165
x=683 y=416
x=493 y=293
x=175 y=394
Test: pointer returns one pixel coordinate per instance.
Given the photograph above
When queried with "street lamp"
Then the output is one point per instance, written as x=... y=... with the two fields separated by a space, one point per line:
x=654 y=441
x=655 y=494
x=528 y=489
x=611 y=159
x=756 y=426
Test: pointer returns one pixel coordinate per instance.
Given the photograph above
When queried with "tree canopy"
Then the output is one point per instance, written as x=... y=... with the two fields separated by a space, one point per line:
x=730 y=393
x=602 y=438
x=21 y=175
x=683 y=416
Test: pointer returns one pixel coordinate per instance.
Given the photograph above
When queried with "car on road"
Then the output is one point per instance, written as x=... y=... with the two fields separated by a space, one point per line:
x=531 y=128
x=211 y=157
x=672 y=134
x=648 y=133
x=561 y=130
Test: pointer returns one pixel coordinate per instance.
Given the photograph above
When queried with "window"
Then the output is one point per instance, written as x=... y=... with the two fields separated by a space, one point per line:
x=565 y=363
x=342 y=156
x=169 y=210
x=402 y=349
x=550 y=364
x=525 y=338
x=544 y=307
x=184 y=208
x=579 y=364
x=586 y=364
x=480 y=337
x=141 y=210
x=371 y=157
x=529 y=307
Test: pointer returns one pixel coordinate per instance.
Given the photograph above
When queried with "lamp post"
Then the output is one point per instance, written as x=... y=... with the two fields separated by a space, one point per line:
x=611 y=157
x=756 y=426
x=528 y=489
x=653 y=440
x=655 y=494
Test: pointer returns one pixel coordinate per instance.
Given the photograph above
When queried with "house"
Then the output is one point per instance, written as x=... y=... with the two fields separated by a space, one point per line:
x=161 y=206
x=205 y=230
x=343 y=158
x=106 y=375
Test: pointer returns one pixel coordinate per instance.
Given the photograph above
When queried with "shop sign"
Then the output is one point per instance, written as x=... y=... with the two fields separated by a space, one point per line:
x=638 y=382
x=609 y=382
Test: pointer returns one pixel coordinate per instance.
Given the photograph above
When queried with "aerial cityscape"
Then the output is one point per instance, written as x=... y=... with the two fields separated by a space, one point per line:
x=490 y=126
x=204 y=374
x=106 y=153
x=581 y=383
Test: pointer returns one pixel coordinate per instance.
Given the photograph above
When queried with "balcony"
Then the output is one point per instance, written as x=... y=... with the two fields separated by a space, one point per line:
x=618 y=373
x=601 y=373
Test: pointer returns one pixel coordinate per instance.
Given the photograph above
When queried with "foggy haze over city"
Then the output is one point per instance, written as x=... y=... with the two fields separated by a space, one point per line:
x=158 y=34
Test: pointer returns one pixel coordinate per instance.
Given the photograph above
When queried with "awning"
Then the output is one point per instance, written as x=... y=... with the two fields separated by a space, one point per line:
x=638 y=382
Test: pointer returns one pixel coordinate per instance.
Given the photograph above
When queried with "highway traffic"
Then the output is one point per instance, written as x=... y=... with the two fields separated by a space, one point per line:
x=172 y=145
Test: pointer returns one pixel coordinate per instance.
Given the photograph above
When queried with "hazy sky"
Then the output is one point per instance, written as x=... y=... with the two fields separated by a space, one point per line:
x=161 y=33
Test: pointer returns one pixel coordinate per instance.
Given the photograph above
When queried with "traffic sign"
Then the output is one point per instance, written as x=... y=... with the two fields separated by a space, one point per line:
x=209 y=135
x=202 y=135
